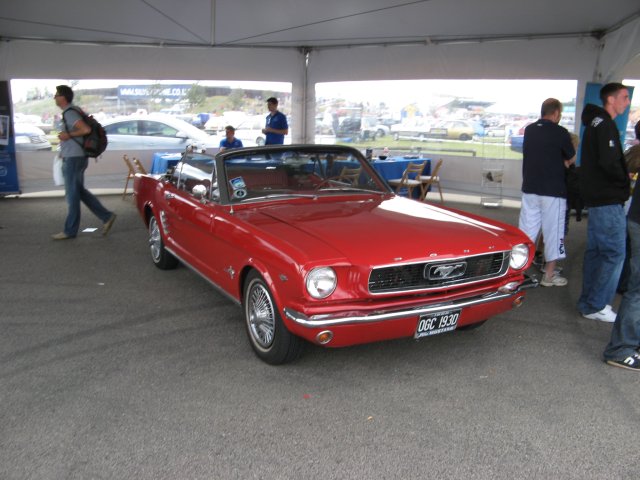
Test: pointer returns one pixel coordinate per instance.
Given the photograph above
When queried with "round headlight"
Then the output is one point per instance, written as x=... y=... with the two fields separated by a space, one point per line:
x=519 y=256
x=321 y=282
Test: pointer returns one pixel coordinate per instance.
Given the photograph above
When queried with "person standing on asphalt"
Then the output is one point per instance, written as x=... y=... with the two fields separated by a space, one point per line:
x=605 y=187
x=547 y=151
x=276 y=127
x=74 y=163
x=622 y=350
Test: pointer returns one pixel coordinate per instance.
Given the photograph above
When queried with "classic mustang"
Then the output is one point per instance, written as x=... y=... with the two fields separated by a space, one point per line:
x=313 y=244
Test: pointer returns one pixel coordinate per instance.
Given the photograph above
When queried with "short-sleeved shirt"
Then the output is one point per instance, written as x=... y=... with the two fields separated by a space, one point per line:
x=278 y=121
x=224 y=143
x=545 y=148
x=71 y=147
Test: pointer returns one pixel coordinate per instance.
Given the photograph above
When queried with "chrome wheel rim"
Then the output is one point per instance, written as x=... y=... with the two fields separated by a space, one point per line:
x=155 y=240
x=261 y=315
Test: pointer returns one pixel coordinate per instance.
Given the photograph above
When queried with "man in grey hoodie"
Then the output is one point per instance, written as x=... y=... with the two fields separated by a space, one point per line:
x=604 y=185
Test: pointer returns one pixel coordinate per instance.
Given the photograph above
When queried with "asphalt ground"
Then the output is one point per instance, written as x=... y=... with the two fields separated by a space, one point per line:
x=111 y=368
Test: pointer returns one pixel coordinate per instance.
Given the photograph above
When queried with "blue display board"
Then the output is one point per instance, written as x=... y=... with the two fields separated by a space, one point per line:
x=8 y=165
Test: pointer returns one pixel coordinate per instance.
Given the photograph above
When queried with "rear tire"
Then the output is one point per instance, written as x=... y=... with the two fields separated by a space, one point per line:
x=160 y=256
x=269 y=338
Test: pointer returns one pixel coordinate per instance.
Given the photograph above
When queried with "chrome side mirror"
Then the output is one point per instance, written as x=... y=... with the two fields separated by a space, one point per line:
x=199 y=191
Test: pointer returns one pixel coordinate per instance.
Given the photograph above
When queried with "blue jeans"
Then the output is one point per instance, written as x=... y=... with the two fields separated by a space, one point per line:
x=625 y=335
x=73 y=172
x=603 y=258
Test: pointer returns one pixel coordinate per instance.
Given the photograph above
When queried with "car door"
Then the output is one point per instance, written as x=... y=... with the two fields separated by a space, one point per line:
x=161 y=136
x=193 y=216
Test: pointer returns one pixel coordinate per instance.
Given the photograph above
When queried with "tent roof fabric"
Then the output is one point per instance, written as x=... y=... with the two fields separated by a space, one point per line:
x=306 y=23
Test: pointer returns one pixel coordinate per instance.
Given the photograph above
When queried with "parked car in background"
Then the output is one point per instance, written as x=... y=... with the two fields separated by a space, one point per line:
x=249 y=131
x=30 y=138
x=155 y=132
x=516 y=142
x=416 y=128
x=286 y=233
x=371 y=128
x=456 y=130
x=34 y=120
x=349 y=128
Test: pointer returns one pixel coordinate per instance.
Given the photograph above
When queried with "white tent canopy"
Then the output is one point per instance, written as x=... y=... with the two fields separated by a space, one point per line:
x=305 y=42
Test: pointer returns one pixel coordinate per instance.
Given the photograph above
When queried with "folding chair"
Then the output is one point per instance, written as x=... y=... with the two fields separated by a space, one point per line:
x=410 y=179
x=130 y=175
x=139 y=167
x=429 y=180
x=350 y=175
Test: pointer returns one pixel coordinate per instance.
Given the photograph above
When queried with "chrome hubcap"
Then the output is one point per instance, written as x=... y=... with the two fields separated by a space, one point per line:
x=261 y=315
x=155 y=241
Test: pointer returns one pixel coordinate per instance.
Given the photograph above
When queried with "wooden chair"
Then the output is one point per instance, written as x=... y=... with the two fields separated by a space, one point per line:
x=432 y=180
x=410 y=179
x=139 y=167
x=350 y=175
x=130 y=175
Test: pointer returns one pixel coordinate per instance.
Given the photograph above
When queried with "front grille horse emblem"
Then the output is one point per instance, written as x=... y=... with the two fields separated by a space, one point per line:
x=446 y=271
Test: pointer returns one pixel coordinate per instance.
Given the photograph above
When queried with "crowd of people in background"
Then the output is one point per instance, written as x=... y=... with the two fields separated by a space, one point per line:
x=613 y=228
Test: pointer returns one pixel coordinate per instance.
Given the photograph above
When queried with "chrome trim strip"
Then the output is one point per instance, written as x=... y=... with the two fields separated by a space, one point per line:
x=215 y=285
x=325 y=321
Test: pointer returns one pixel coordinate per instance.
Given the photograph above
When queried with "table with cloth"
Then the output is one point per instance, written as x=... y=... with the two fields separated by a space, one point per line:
x=394 y=167
x=162 y=161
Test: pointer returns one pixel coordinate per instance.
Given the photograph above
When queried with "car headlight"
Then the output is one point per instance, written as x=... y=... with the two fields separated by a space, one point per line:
x=321 y=282
x=519 y=256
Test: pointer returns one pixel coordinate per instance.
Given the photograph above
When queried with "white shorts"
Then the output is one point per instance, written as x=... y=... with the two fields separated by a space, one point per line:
x=546 y=213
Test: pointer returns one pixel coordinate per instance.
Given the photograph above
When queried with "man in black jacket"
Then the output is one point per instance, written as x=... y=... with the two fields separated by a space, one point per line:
x=604 y=184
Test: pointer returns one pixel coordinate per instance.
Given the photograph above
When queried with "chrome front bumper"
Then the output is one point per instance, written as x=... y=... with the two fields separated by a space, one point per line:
x=355 y=317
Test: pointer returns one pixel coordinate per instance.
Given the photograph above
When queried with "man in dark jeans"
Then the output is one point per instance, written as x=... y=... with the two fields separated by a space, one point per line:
x=74 y=163
x=604 y=185
x=622 y=350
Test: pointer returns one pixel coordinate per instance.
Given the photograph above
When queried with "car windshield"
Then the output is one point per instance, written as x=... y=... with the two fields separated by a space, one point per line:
x=286 y=173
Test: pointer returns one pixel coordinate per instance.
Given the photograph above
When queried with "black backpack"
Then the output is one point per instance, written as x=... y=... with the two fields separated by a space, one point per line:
x=95 y=142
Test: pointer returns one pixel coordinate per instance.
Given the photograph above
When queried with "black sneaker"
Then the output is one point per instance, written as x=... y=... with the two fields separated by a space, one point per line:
x=632 y=362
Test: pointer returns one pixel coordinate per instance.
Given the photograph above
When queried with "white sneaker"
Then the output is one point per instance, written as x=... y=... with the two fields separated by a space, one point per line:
x=605 y=315
x=555 y=281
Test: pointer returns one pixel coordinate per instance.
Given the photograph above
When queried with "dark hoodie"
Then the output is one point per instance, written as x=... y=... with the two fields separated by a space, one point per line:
x=603 y=171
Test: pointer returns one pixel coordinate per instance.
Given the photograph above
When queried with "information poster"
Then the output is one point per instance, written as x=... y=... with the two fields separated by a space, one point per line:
x=8 y=165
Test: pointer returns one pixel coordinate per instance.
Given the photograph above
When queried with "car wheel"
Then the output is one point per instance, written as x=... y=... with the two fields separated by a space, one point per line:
x=268 y=336
x=465 y=137
x=160 y=256
x=259 y=141
x=380 y=133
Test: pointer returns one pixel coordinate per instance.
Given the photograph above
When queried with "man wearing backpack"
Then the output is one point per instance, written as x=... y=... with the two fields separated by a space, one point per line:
x=74 y=163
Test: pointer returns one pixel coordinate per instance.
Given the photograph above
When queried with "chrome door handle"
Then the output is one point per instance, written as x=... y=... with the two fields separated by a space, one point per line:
x=169 y=196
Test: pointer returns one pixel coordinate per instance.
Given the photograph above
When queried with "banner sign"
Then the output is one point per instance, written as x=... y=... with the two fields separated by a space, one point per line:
x=8 y=165
x=175 y=92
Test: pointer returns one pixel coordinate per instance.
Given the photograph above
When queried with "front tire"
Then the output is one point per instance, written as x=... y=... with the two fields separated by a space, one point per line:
x=160 y=256
x=269 y=338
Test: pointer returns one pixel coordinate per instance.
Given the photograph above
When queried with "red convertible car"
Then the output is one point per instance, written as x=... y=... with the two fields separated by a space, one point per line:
x=314 y=245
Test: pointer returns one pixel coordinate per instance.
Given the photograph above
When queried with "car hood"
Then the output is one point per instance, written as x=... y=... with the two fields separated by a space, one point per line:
x=391 y=231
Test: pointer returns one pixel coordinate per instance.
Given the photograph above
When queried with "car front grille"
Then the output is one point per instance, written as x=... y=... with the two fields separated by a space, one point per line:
x=429 y=274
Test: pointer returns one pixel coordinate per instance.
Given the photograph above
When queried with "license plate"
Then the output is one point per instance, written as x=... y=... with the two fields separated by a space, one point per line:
x=435 y=323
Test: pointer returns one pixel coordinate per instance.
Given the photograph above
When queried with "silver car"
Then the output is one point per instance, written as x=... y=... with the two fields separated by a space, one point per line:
x=30 y=138
x=155 y=132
